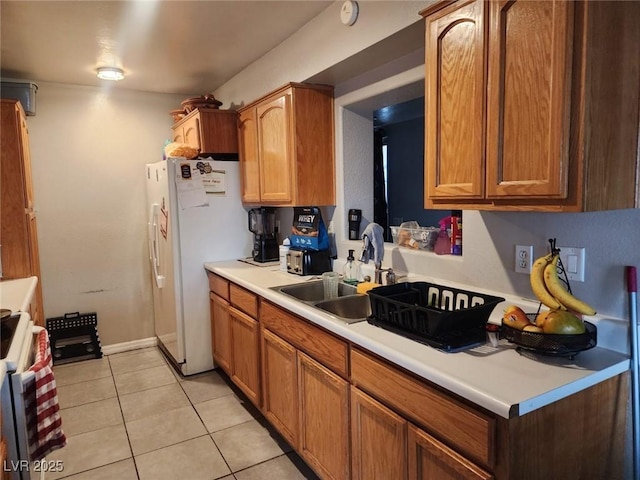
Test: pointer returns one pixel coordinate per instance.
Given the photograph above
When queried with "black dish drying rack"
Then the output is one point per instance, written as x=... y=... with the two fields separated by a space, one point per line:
x=443 y=317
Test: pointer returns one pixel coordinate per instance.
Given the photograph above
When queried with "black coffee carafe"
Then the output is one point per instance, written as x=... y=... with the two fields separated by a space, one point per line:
x=262 y=223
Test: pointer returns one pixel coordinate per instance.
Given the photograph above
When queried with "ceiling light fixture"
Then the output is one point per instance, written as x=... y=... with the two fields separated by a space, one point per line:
x=110 y=73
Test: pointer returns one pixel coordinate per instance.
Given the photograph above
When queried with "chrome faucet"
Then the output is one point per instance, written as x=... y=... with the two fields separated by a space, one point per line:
x=390 y=277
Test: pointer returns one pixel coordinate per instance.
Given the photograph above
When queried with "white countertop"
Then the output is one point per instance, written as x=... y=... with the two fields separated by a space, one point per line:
x=499 y=379
x=16 y=295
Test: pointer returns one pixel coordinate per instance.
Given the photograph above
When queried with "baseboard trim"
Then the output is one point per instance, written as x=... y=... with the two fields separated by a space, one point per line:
x=127 y=346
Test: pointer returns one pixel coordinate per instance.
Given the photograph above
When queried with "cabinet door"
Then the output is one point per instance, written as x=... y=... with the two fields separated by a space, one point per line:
x=220 y=332
x=429 y=459
x=18 y=231
x=280 y=385
x=219 y=131
x=13 y=229
x=378 y=440
x=528 y=106
x=177 y=135
x=324 y=419
x=455 y=84
x=191 y=132
x=245 y=354
x=274 y=144
x=249 y=160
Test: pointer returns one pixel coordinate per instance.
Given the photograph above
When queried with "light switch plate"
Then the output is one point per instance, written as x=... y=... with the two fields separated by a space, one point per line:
x=573 y=262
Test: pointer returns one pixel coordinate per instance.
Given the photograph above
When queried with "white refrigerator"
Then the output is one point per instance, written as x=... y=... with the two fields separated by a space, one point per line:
x=195 y=216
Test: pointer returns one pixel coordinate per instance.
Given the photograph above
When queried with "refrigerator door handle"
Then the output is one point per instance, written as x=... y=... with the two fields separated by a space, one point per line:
x=153 y=244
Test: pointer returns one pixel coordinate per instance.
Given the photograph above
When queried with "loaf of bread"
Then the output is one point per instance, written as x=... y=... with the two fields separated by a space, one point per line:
x=177 y=149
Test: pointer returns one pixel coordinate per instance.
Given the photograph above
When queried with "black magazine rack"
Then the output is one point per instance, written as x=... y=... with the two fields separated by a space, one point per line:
x=74 y=337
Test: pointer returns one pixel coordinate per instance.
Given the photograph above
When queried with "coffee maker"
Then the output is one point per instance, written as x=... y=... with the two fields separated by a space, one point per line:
x=262 y=223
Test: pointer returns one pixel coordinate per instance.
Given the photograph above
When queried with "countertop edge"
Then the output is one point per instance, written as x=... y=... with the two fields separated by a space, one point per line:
x=21 y=291
x=558 y=394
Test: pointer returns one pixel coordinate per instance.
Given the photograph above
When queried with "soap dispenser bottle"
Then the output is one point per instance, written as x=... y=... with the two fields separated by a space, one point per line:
x=443 y=243
x=351 y=270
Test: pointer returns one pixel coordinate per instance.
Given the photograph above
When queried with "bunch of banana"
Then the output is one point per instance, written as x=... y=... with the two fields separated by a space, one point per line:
x=550 y=290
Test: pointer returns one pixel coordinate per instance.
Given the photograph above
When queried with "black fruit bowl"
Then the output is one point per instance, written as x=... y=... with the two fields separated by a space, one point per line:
x=551 y=343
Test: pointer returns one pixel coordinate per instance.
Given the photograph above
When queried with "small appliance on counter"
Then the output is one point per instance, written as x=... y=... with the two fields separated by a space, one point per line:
x=308 y=262
x=262 y=223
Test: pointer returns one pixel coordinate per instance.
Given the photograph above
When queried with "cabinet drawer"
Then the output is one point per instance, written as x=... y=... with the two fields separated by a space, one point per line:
x=244 y=300
x=317 y=343
x=218 y=285
x=469 y=431
x=428 y=458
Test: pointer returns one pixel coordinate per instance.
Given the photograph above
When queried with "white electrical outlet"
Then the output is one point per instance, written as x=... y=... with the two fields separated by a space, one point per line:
x=572 y=259
x=523 y=258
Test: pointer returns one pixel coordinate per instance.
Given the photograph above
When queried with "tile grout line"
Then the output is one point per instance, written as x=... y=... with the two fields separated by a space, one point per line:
x=124 y=423
x=133 y=456
x=210 y=434
x=205 y=426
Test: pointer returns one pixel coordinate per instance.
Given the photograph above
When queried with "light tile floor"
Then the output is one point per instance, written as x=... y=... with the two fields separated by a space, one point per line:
x=130 y=416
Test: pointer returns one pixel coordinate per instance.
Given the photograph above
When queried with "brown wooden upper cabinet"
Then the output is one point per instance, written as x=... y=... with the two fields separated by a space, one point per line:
x=532 y=105
x=18 y=229
x=287 y=147
x=210 y=130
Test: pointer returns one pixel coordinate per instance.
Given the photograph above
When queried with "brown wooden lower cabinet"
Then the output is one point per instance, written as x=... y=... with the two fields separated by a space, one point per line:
x=384 y=445
x=220 y=332
x=280 y=385
x=429 y=460
x=470 y=430
x=245 y=354
x=235 y=334
x=351 y=414
x=305 y=392
x=324 y=419
x=378 y=440
x=453 y=439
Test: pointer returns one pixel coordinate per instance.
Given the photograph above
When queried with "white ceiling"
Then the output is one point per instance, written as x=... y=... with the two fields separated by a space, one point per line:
x=167 y=46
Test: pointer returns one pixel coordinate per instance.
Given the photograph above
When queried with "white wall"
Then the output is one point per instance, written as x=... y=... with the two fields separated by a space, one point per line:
x=89 y=148
x=319 y=45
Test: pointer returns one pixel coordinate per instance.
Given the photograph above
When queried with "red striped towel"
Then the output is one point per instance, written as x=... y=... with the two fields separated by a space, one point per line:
x=42 y=411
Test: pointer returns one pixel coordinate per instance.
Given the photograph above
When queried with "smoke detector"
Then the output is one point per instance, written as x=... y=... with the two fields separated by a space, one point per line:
x=349 y=12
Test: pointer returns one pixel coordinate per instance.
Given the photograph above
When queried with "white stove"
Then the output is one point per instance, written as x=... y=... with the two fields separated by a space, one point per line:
x=17 y=354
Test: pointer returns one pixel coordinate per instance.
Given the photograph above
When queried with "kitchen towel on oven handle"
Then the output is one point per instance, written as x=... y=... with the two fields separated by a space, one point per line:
x=42 y=411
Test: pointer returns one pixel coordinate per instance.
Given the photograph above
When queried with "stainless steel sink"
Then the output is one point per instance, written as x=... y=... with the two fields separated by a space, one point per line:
x=313 y=291
x=351 y=308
